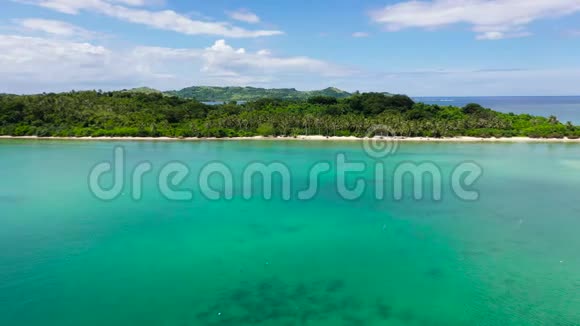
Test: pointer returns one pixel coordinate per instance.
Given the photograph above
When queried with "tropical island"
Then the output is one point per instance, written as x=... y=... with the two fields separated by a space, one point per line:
x=331 y=112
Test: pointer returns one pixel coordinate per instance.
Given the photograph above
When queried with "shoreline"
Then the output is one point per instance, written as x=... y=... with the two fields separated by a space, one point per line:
x=461 y=139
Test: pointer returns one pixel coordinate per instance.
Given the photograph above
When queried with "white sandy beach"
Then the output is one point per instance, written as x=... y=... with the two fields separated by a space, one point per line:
x=462 y=139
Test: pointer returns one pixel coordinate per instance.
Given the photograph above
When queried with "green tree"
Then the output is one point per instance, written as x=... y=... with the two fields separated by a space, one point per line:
x=266 y=129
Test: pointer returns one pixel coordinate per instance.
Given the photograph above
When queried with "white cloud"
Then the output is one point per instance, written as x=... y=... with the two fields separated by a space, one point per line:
x=164 y=20
x=221 y=56
x=490 y=19
x=34 y=64
x=39 y=64
x=53 y=27
x=360 y=34
x=470 y=82
x=135 y=3
x=491 y=36
x=244 y=16
x=24 y=49
x=222 y=62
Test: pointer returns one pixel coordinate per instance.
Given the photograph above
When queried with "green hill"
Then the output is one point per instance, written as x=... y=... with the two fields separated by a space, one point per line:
x=218 y=94
x=330 y=91
x=143 y=90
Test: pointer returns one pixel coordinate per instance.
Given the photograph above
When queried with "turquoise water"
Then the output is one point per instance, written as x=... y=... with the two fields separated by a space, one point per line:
x=68 y=258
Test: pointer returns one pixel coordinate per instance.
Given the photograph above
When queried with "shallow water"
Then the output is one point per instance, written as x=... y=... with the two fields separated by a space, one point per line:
x=509 y=258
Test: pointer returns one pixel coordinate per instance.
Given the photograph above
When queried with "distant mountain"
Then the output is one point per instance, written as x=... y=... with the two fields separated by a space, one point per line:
x=227 y=94
x=330 y=91
x=218 y=94
x=144 y=90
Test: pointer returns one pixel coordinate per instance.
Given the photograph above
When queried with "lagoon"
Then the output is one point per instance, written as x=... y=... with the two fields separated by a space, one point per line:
x=508 y=258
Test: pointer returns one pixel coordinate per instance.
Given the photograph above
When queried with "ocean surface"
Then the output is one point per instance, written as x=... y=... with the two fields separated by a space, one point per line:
x=507 y=258
x=566 y=108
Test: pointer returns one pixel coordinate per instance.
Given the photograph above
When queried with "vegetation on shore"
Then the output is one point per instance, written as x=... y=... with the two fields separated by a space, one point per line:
x=153 y=114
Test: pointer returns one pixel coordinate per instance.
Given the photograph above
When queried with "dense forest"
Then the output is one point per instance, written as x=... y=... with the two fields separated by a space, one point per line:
x=154 y=114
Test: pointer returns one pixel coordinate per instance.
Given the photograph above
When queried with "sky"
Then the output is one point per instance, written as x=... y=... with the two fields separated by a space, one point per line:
x=419 y=48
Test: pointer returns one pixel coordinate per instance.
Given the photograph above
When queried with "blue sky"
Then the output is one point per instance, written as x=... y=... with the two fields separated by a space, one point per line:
x=421 y=48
